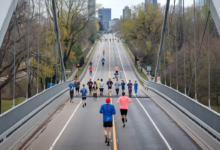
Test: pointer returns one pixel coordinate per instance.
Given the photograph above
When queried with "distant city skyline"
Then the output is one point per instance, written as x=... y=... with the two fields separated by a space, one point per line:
x=117 y=6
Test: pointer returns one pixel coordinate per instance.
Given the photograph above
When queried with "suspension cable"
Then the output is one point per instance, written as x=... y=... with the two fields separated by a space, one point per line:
x=38 y=49
x=14 y=55
x=184 y=49
x=46 y=53
x=195 y=47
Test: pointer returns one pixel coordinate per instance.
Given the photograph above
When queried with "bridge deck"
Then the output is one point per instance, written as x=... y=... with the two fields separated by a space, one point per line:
x=148 y=126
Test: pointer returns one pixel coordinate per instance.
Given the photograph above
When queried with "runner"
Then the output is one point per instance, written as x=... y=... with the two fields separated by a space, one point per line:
x=109 y=83
x=95 y=91
x=103 y=61
x=116 y=69
x=129 y=88
x=90 y=63
x=84 y=92
x=90 y=69
x=71 y=85
x=103 y=52
x=116 y=76
x=101 y=87
x=97 y=82
x=124 y=100
x=107 y=110
x=77 y=86
x=90 y=83
x=135 y=88
x=121 y=73
x=117 y=84
x=123 y=86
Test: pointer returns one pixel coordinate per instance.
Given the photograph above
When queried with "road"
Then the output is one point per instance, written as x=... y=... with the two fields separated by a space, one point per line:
x=75 y=127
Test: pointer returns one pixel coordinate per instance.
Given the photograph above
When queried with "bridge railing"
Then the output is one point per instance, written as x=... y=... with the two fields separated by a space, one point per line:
x=202 y=114
x=206 y=117
x=12 y=119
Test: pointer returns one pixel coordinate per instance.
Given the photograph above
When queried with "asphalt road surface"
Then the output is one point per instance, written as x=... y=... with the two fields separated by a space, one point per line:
x=78 y=128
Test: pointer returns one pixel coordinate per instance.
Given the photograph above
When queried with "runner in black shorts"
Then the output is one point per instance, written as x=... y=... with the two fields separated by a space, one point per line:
x=108 y=110
x=124 y=100
x=84 y=92
x=101 y=87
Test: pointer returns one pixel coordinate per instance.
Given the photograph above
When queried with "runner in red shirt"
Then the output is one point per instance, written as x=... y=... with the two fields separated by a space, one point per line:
x=103 y=52
x=90 y=68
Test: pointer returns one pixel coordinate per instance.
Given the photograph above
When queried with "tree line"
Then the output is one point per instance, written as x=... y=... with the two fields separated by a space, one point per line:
x=143 y=33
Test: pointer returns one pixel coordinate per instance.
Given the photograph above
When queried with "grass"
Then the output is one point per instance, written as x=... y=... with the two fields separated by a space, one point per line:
x=143 y=75
x=7 y=104
x=79 y=72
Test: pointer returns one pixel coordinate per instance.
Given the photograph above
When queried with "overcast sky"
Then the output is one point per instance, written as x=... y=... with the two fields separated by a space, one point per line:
x=118 y=5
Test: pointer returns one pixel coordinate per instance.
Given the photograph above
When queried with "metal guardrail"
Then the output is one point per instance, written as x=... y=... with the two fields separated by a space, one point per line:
x=206 y=117
x=15 y=117
x=74 y=73
x=202 y=114
x=12 y=119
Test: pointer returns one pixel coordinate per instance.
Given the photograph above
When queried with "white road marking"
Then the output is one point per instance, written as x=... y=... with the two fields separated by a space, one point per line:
x=61 y=132
x=161 y=135
x=64 y=127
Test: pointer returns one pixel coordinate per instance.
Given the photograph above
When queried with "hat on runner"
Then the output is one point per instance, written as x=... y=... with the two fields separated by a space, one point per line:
x=83 y=84
x=108 y=100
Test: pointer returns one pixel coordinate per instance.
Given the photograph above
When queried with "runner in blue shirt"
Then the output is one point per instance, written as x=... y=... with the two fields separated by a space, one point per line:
x=103 y=61
x=135 y=88
x=123 y=86
x=84 y=92
x=129 y=88
x=71 y=86
x=108 y=110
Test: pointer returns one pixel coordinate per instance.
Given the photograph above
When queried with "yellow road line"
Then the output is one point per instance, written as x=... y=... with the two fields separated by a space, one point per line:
x=114 y=132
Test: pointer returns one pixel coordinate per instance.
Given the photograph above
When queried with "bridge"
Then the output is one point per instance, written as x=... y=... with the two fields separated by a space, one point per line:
x=160 y=117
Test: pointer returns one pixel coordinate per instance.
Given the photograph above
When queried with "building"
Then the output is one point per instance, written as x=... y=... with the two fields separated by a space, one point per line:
x=92 y=8
x=115 y=19
x=105 y=16
x=151 y=1
x=113 y=22
x=126 y=12
x=180 y=3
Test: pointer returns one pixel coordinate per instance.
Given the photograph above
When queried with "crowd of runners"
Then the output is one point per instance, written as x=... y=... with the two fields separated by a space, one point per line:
x=96 y=88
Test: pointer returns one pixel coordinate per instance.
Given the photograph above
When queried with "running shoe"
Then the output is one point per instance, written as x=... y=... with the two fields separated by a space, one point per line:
x=123 y=126
x=106 y=139
x=85 y=104
x=108 y=143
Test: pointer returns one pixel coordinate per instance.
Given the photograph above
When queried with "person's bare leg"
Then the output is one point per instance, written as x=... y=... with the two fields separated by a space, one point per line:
x=105 y=133
x=109 y=135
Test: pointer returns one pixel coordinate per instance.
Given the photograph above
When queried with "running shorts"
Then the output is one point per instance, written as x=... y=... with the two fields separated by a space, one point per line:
x=116 y=71
x=123 y=111
x=135 y=90
x=101 y=89
x=95 y=95
x=83 y=98
x=107 y=124
x=77 y=89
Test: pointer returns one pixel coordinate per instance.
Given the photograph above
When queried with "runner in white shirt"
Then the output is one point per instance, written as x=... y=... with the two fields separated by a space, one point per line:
x=101 y=87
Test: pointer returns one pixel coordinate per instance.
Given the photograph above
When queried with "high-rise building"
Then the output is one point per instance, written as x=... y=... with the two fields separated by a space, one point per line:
x=154 y=2
x=105 y=16
x=151 y=1
x=92 y=8
x=126 y=12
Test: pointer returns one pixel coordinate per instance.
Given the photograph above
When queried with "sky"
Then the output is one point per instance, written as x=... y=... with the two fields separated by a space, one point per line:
x=118 y=5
